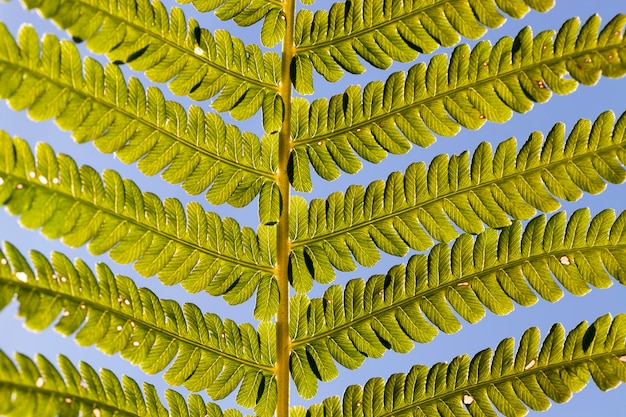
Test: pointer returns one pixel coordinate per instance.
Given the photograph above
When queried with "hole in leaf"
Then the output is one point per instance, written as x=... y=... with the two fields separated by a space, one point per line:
x=530 y=364
x=21 y=276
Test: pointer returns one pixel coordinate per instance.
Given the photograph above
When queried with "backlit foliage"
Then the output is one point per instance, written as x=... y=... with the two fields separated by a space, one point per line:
x=464 y=235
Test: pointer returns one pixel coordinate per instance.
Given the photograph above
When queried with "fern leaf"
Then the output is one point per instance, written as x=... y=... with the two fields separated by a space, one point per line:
x=382 y=32
x=112 y=313
x=413 y=301
x=411 y=210
x=144 y=35
x=33 y=388
x=501 y=382
x=247 y=13
x=472 y=87
x=194 y=248
x=190 y=147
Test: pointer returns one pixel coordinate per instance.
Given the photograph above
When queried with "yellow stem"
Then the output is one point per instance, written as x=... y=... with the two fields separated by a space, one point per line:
x=283 y=341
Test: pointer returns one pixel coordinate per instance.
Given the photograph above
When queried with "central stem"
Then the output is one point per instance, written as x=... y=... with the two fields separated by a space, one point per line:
x=283 y=341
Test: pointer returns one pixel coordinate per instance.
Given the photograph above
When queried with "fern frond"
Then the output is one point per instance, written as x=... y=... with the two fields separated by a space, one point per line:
x=191 y=247
x=193 y=148
x=472 y=87
x=410 y=210
x=167 y=47
x=413 y=301
x=247 y=13
x=382 y=32
x=38 y=388
x=194 y=349
x=502 y=381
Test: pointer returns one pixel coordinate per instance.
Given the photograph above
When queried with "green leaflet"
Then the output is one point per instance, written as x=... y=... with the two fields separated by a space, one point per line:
x=169 y=48
x=190 y=147
x=413 y=301
x=303 y=75
x=411 y=210
x=486 y=83
x=191 y=247
x=84 y=390
x=381 y=33
x=484 y=384
x=112 y=313
x=302 y=374
x=274 y=27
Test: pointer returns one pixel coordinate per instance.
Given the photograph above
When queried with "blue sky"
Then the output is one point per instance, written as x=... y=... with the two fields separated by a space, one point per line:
x=584 y=103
